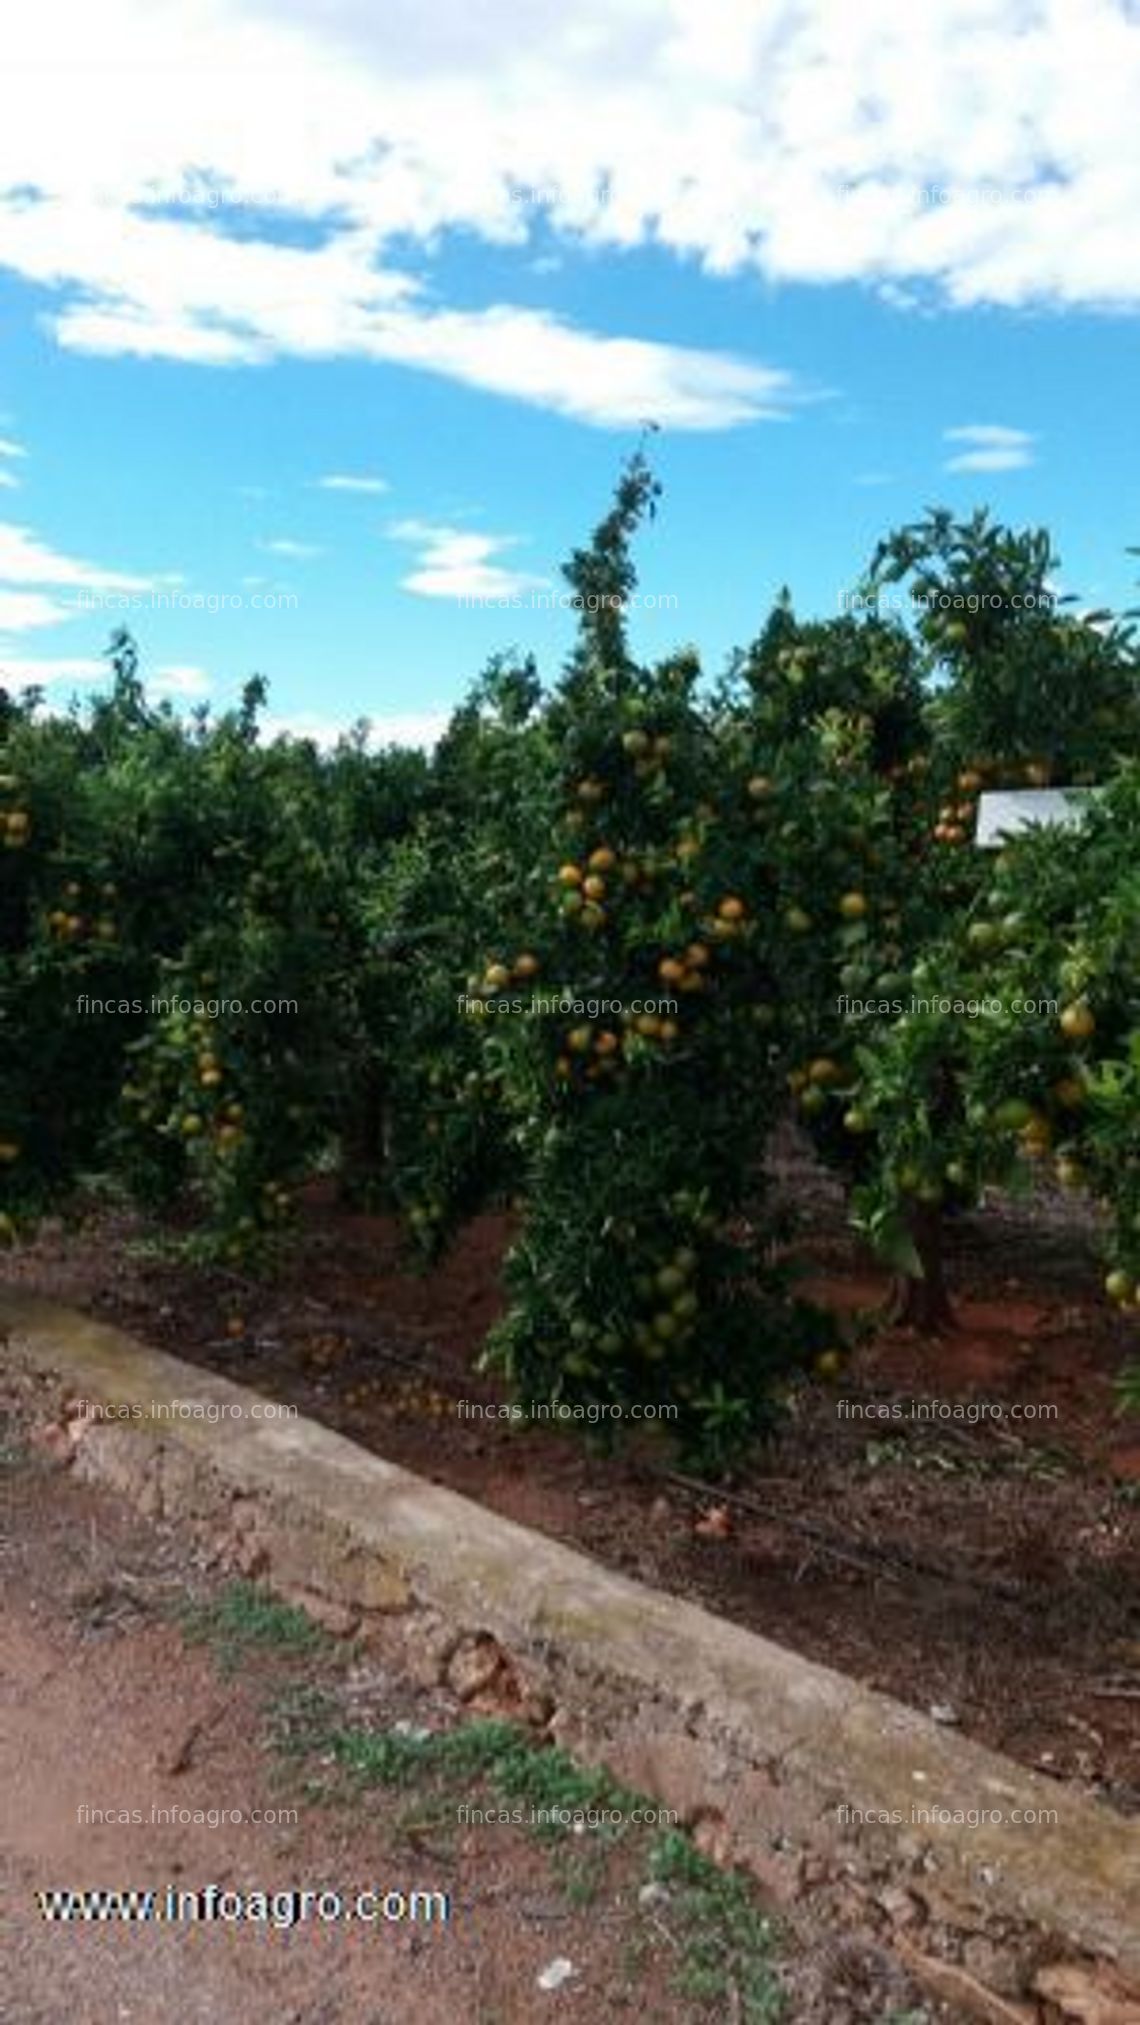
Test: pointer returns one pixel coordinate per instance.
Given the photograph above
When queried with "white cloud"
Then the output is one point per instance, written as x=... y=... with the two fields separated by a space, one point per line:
x=990 y=446
x=26 y=560
x=340 y=483
x=24 y=671
x=611 y=382
x=8 y=479
x=179 y=681
x=23 y=611
x=408 y=727
x=989 y=460
x=969 y=151
x=454 y=564
x=297 y=551
x=40 y=587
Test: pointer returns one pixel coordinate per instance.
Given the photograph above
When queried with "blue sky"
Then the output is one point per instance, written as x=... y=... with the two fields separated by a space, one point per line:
x=373 y=339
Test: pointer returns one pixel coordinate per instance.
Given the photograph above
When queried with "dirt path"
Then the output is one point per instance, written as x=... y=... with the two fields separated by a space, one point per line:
x=108 y=1710
x=99 y=1709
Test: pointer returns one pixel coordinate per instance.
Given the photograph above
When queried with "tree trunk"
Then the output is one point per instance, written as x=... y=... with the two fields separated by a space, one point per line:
x=922 y=1301
x=363 y=1172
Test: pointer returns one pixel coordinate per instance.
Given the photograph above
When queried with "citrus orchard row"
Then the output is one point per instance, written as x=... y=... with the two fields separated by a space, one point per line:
x=759 y=879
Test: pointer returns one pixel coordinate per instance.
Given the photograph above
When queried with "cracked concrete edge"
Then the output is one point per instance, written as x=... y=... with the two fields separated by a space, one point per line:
x=748 y=1735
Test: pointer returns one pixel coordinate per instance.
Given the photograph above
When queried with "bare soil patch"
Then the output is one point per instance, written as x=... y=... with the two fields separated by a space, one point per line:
x=986 y=1569
x=110 y=1709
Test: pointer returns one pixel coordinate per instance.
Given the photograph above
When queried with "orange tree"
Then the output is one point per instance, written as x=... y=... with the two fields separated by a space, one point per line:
x=827 y=741
x=188 y=947
x=265 y=1056
x=1022 y=1048
x=829 y=728
x=66 y=940
x=1007 y=692
x=1023 y=692
x=641 y=1087
x=468 y=876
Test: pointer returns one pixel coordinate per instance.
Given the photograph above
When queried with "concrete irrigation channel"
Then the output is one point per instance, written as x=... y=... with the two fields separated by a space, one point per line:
x=778 y=1764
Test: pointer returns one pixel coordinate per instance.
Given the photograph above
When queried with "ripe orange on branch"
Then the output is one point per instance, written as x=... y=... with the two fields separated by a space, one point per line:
x=853 y=906
x=1078 y=1021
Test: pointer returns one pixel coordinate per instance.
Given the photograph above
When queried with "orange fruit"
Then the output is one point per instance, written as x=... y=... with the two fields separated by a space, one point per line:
x=824 y=1071
x=1078 y=1021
